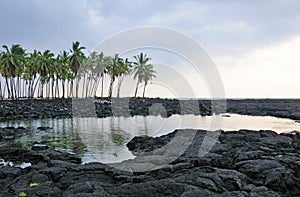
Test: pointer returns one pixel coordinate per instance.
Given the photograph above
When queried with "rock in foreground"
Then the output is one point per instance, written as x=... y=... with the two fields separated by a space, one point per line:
x=241 y=163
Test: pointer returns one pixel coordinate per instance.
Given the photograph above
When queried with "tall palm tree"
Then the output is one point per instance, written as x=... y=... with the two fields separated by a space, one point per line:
x=103 y=70
x=1 y=68
x=141 y=61
x=76 y=59
x=88 y=68
x=44 y=66
x=92 y=66
x=52 y=76
x=13 y=60
x=99 y=62
x=64 y=70
x=123 y=69
x=112 y=70
x=30 y=72
x=57 y=74
x=148 y=75
x=86 y=74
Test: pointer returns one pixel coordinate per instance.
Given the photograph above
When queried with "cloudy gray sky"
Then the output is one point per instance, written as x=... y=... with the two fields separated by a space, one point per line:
x=254 y=44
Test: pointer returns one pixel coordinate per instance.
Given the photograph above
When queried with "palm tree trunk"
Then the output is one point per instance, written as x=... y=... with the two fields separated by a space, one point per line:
x=87 y=87
x=25 y=85
x=52 y=87
x=96 y=87
x=47 y=89
x=4 y=90
x=57 y=88
x=11 y=88
x=8 y=90
x=83 y=85
x=29 y=88
x=63 y=88
x=144 y=90
x=41 y=89
x=33 y=87
x=15 y=89
x=77 y=87
x=93 y=86
x=18 y=87
x=120 y=80
x=68 y=87
x=102 y=83
x=111 y=87
x=118 y=92
x=136 y=88
x=1 y=93
x=71 y=88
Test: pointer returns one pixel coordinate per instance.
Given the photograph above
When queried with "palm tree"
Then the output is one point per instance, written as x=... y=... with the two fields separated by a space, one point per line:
x=87 y=68
x=141 y=61
x=147 y=76
x=112 y=70
x=44 y=66
x=76 y=59
x=22 y=74
x=30 y=72
x=13 y=60
x=52 y=77
x=63 y=70
x=103 y=70
x=58 y=73
x=93 y=66
x=1 y=67
x=83 y=73
x=99 y=62
x=123 y=69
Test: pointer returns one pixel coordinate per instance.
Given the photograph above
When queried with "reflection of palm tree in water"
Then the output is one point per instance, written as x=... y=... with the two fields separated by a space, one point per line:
x=77 y=145
x=90 y=132
x=112 y=129
x=118 y=136
x=142 y=125
x=145 y=125
x=102 y=125
x=68 y=139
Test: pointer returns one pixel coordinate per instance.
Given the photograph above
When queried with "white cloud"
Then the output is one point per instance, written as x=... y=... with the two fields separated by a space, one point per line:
x=94 y=17
x=271 y=71
x=249 y=40
x=179 y=14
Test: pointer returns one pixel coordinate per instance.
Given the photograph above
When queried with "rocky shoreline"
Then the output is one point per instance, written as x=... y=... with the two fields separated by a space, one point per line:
x=63 y=108
x=241 y=163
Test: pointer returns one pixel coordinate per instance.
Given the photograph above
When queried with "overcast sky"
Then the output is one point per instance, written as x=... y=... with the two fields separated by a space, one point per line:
x=254 y=44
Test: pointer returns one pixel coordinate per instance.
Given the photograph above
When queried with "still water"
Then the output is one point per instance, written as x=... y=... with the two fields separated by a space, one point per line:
x=104 y=139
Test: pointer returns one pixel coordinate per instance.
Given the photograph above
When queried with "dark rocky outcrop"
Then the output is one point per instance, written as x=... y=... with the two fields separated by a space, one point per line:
x=241 y=163
x=104 y=107
x=7 y=133
x=34 y=109
x=281 y=108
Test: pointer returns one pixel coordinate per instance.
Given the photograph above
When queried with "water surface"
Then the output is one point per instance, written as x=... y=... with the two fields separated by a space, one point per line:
x=104 y=139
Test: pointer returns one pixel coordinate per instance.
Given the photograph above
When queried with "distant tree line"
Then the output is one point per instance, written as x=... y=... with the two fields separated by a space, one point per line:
x=45 y=75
